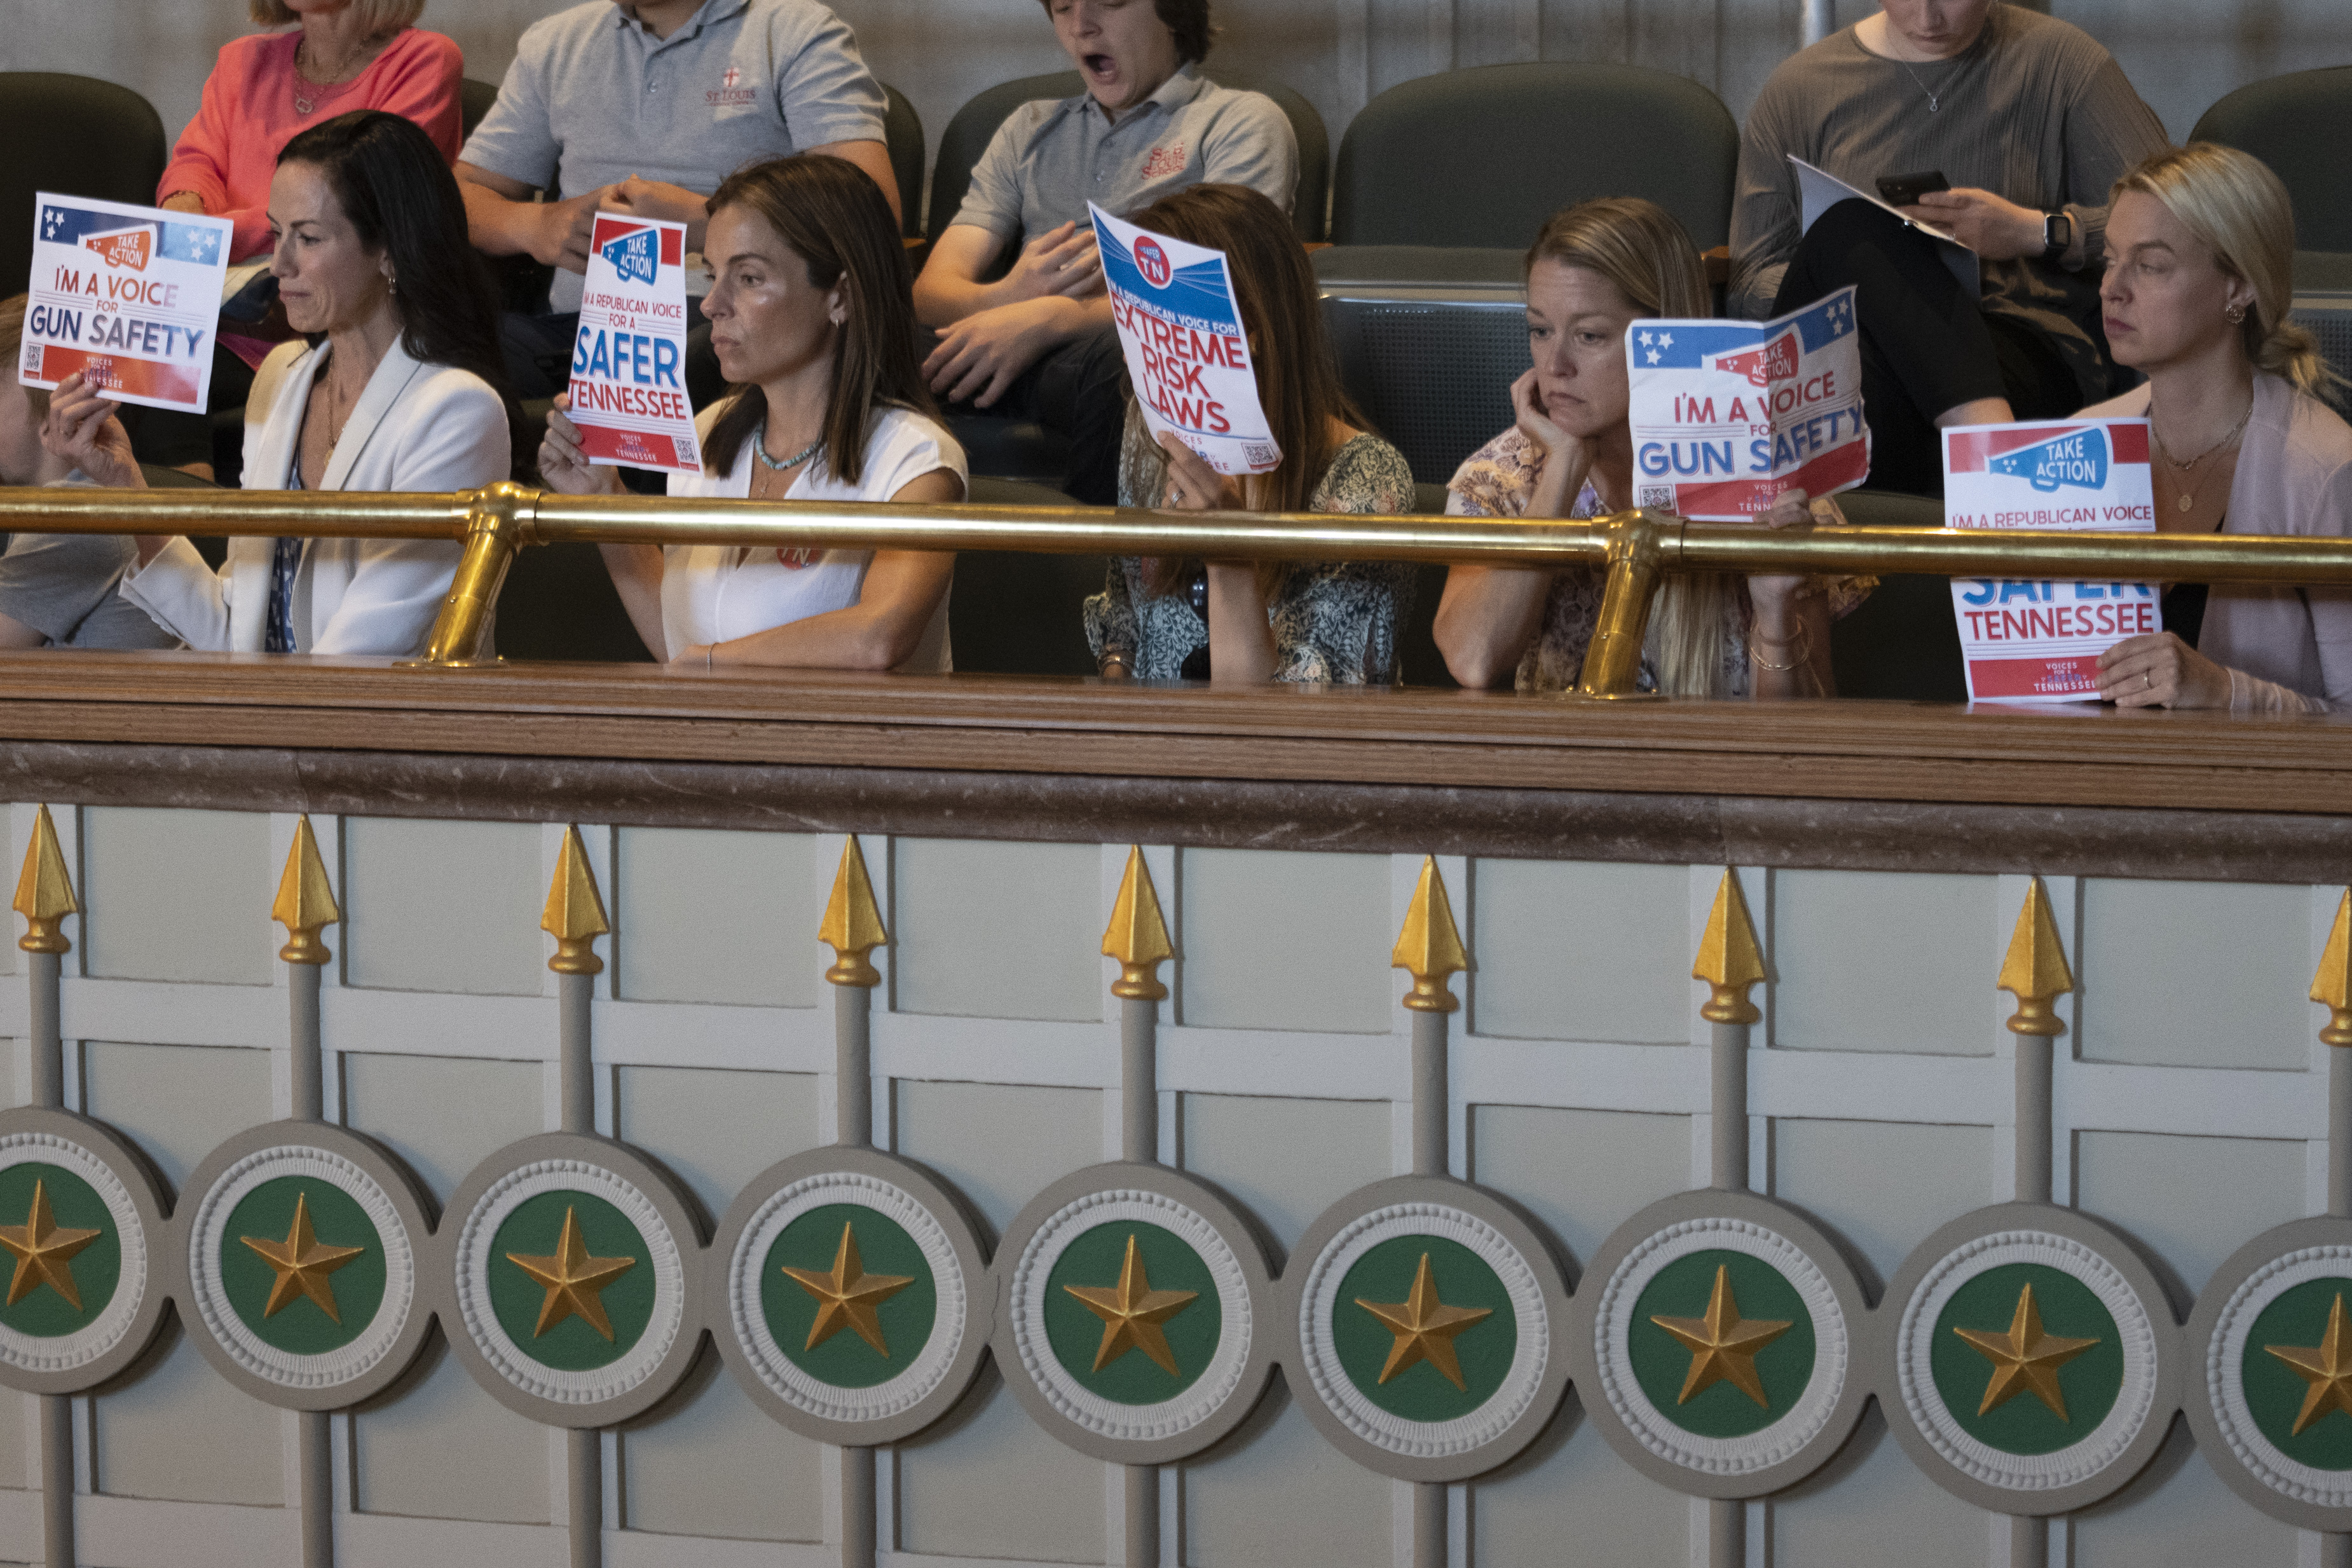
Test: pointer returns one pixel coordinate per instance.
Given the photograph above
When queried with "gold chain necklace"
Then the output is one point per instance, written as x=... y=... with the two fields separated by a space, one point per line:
x=2186 y=501
x=307 y=103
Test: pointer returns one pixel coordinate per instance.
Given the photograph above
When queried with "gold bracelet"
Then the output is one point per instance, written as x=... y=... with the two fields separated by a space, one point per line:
x=1803 y=641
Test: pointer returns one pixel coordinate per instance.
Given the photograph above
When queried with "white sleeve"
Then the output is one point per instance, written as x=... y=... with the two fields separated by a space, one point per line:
x=914 y=447
x=183 y=595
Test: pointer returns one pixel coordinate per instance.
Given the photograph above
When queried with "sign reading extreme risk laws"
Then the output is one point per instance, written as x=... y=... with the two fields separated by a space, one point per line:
x=1185 y=349
x=2039 y=641
x=129 y=296
x=1727 y=415
x=628 y=363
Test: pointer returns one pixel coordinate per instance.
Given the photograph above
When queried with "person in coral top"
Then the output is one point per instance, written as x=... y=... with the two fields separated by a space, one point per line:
x=266 y=90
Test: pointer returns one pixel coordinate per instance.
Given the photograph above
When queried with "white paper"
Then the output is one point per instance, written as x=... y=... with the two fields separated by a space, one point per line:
x=1821 y=191
x=628 y=361
x=128 y=296
x=1186 y=353
x=2033 y=641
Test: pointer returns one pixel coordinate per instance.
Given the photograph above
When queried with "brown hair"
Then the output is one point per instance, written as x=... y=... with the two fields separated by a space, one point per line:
x=12 y=346
x=1188 y=19
x=2240 y=212
x=1649 y=258
x=832 y=214
x=1297 y=374
x=377 y=18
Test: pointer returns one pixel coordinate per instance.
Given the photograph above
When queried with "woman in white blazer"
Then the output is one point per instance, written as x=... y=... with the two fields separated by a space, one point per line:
x=813 y=320
x=394 y=387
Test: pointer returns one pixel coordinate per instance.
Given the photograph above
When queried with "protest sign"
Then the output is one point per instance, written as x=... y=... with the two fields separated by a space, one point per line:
x=128 y=297
x=2038 y=642
x=628 y=362
x=1185 y=349
x=1727 y=415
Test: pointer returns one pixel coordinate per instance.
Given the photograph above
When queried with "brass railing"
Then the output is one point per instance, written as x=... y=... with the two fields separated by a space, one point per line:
x=1636 y=547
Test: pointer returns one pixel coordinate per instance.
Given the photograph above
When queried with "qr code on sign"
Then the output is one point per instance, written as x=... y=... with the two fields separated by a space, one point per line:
x=1656 y=496
x=1258 y=455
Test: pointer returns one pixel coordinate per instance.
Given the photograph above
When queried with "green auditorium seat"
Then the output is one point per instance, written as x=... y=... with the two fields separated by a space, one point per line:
x=75 y=136
x=1480 y=157
x=902 y=130
x=1903 y=641
x=2300 y=125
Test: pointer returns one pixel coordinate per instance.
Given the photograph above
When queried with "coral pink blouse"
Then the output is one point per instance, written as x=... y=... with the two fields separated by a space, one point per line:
x=249 y=114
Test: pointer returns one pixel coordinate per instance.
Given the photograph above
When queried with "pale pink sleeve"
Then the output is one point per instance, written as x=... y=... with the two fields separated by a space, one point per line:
x=422 y=85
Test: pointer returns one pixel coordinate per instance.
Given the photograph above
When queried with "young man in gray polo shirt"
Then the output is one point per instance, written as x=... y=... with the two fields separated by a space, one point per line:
x=644 y=108
x=1038 y=343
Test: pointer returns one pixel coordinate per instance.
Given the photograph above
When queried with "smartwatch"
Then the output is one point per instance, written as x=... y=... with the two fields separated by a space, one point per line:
x=2057 y=234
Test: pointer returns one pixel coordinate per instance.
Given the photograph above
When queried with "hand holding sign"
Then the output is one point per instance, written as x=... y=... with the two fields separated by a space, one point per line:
x=81 y=428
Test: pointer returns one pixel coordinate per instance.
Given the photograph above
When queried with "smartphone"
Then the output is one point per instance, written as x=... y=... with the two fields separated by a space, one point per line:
x=1905 y=190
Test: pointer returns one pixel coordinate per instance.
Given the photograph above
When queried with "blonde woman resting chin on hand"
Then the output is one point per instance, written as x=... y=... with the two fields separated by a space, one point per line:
x=812 y=324
x=1596 y=268
x=2202 y=239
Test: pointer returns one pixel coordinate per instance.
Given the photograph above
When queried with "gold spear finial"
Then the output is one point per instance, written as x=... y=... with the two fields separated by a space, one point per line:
x=1728 y=957
x=853 y=925
x=1137 y=936
x=45 y=893
x=306 y=904
x=575 y=913
x=2332 y=986
x=2035 y=970
x=1430 y=946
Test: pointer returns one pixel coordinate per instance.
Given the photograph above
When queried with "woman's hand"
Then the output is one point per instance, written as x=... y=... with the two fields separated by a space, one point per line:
x=1535 y=422
x=2160 y=669
x=184 y=202
x=563 y=465
x=1790 y=510
x=1995 y=228
x=81 y=428
x=1195 y=486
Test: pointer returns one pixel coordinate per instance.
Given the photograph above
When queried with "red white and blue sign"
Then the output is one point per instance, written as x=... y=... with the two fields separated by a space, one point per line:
x=1728 y=415
x=2036 y=641
x=628 y=361
x=127 y=297
x=1186 y=352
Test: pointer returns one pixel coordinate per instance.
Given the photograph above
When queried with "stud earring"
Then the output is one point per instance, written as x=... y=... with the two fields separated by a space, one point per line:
x=2237 y=315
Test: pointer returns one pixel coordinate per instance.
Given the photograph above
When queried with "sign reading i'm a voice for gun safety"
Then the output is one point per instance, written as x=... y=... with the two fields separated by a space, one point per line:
x=1728 y=415
x=1185 y=349
x=2040 y=642
x=128 y=297
x=628 y=363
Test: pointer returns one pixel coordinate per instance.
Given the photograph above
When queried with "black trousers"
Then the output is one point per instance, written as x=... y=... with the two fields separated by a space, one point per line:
x=1078 y=391
x=1926 y=345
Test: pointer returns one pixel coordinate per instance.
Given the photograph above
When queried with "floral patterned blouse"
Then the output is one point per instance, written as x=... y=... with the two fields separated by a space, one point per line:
x=1333 y=620
x=1496 y=480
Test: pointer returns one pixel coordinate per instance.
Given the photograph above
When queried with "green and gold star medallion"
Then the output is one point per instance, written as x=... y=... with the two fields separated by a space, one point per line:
x=848 y=1276
x=1721 y=1332
x=1425 y=1308
x=302 y=1259
x=572 y=1281
x=2029 y=1358
x=1136 y=1299
x=77 y=1213
x=2273 y=1333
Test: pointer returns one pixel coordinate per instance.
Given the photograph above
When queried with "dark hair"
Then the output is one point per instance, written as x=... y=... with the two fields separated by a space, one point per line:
x=1188 y=19
x=1297 y=374
x=392 y=183
x=831 y=213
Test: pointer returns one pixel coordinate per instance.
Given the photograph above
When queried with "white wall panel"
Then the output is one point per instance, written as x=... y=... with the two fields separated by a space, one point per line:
x=2179 y=1512
x=443 y=906
x=1880 y=961
x=1286 y=1159
x=445 y=1449
x=1277 y=1492
x=1622 y=1519
x=2193 y=1201
x=1291 y=941
x=1844 y=1173
x=715 y=1465
x=1582 y=1172
x=2196 y=974
x=178 y=1101
x=997 y=930
x=717 y=1130
x=988 y=1482
x=1581 y=950
x=715 y=917
x=443 y=1114
x=1871 y=1507
x=1000 y=1144
x=176 y=895
x=179 y=1430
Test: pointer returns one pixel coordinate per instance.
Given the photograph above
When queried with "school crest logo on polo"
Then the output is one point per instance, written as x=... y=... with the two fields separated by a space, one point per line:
x=1166 y=161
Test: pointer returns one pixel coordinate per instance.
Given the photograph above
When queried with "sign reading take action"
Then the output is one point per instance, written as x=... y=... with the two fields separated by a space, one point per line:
x=628 y=363
x=2038 y=642
x=129 y=296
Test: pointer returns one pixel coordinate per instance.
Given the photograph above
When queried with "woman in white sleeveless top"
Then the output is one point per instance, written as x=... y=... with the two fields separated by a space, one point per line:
x=812 y=322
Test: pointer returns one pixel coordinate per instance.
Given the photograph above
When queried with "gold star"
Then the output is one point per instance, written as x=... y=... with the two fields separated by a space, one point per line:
x=574 y=1280
x=2326 y=1366
x=2025 y=1358
x=1132 y=1313
x=1723 y=1344
x=43 y=1251
x=1425 y=1327
x=848 y=1296
x=302 y=1264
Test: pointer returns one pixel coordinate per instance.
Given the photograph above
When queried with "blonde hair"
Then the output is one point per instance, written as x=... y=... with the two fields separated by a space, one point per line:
x=376 y=18
x=12 y=349
x=2239 y=210
x=1649 y=258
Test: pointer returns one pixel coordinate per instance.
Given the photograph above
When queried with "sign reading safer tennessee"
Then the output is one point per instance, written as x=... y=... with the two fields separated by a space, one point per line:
x=1728 y=415
x=628 y=362
x=1186 y=352
x=128 y=296
x=2031 y=641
